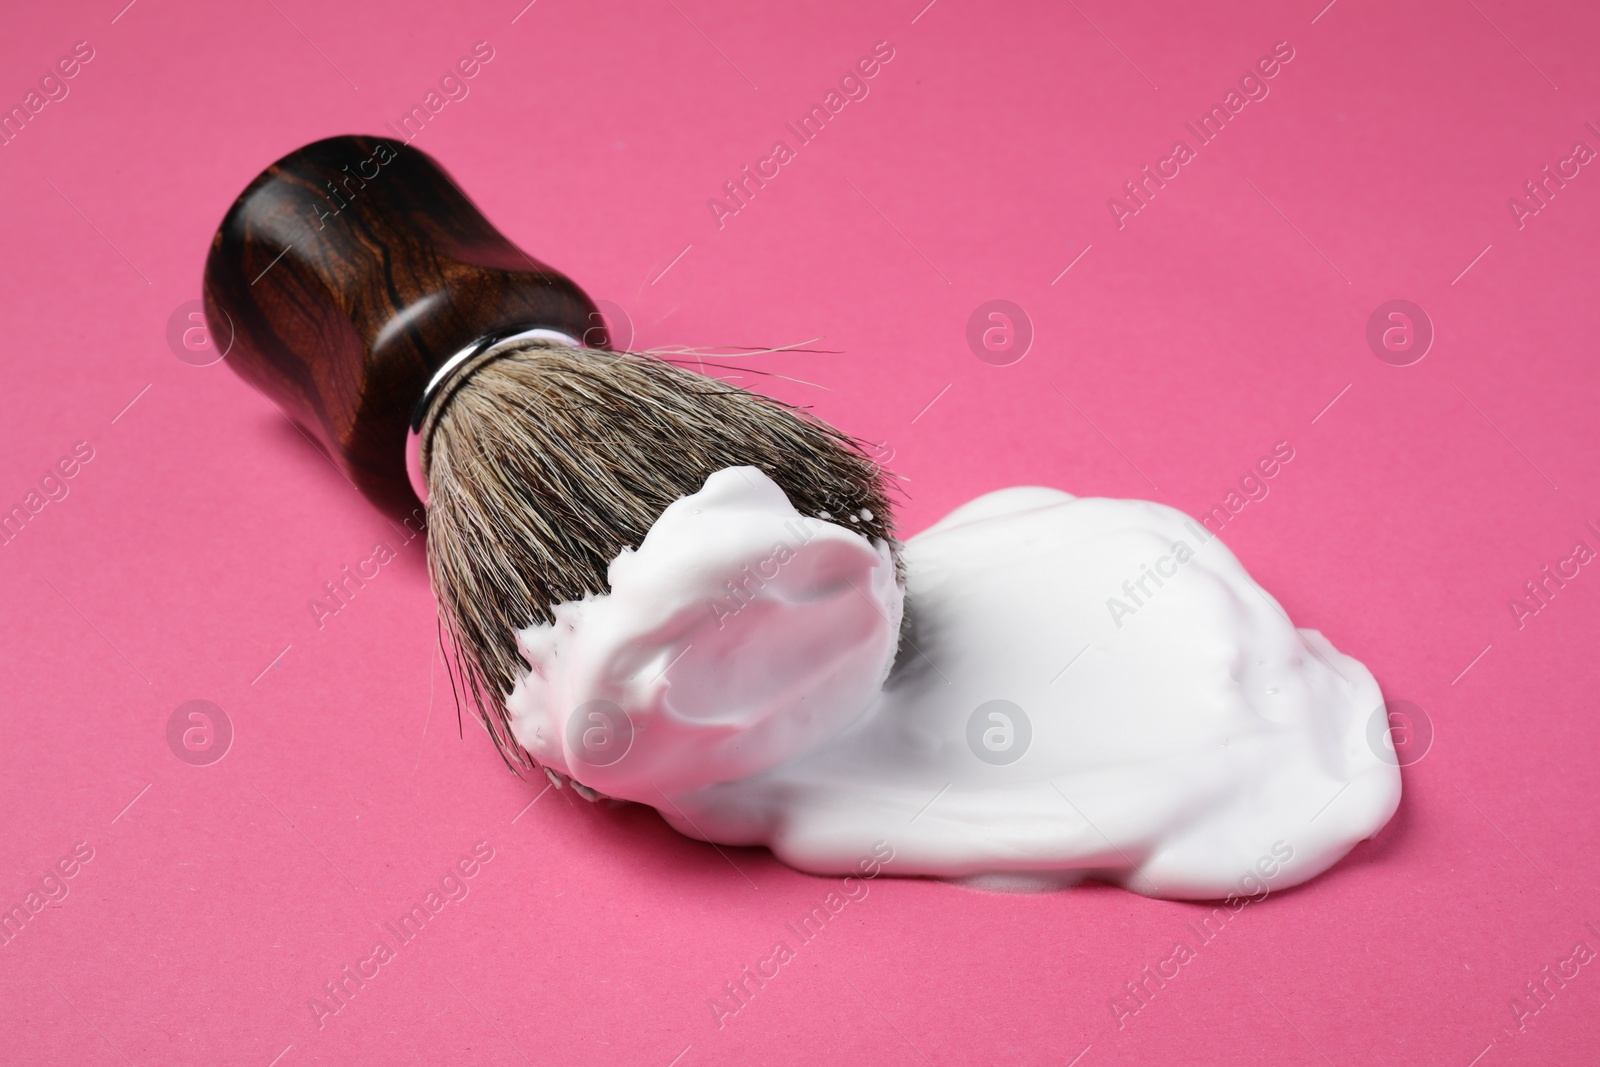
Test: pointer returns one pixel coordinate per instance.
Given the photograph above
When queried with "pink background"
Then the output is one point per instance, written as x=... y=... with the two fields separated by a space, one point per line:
x=1227 y=315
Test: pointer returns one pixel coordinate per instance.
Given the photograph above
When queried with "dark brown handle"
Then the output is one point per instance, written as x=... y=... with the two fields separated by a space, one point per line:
x=347 y=272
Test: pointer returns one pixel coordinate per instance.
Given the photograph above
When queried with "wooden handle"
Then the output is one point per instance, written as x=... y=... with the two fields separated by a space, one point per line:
x=347 y=272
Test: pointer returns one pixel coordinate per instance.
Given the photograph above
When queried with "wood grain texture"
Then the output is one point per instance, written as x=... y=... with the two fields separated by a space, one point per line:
x=347 y=272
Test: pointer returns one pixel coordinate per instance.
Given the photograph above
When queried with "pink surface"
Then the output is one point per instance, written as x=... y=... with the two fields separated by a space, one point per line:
x=1228 y=314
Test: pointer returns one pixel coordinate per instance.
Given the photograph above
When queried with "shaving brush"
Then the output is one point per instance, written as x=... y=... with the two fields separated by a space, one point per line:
x=434 y=360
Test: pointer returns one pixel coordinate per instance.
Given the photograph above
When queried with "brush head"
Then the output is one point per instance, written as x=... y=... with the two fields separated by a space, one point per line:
x=548 y=460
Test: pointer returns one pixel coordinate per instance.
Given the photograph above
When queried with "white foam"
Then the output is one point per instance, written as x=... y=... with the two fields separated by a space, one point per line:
x=741 y=677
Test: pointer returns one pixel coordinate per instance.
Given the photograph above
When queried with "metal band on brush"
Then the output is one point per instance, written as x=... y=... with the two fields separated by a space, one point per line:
x=446 y=381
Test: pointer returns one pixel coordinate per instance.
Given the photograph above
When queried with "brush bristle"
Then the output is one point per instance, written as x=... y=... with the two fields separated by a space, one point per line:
x=550 y=460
